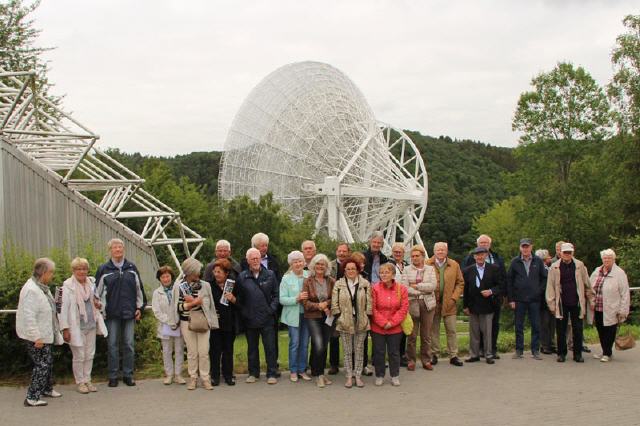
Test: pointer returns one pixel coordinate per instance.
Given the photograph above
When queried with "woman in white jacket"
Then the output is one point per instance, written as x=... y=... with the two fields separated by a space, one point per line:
x=37 y=324
x=612 y=300
x=171 y=338
x=80 y=319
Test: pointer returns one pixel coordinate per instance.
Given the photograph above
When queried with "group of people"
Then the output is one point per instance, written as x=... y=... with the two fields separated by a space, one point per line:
x=324 y=304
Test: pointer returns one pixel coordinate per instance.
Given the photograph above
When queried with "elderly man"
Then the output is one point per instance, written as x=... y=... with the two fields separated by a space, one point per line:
x=119 y=287
x=492 y=258
x=374 y=257
x=482 y=282
x=260 y=241
x=526 y=281
x=308 y=249
x=258 y=303
x=448 y=292
x=568 y=290
x=223 y=251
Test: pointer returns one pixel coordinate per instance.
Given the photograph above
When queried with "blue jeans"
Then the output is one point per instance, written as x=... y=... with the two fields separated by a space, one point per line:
x=533 y=310
x=120 y=334
x=298 y=346
x=253 y=352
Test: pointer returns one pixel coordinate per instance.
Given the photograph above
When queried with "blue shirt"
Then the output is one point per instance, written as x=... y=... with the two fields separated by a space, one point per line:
x=480 y=274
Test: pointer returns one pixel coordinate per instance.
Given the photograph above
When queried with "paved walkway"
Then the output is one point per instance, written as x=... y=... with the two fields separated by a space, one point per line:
x=510 y=392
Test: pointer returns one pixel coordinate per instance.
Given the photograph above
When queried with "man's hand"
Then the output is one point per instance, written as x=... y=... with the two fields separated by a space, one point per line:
x=39 y=344
x=138 y=315
x=466 y=311
x=486 y=293
x=512 y=304
x=66 y=335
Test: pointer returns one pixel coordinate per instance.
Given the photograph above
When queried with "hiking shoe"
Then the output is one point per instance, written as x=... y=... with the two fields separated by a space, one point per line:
x=395 y=381
x=168 y=380
x=82 y=388
x=379 y=381
x=251 y=379
x=91 y=387
x=272 y=381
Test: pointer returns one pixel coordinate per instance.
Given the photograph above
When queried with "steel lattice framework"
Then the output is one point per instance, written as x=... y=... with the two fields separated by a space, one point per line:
x=307 y=134
x=59 y=143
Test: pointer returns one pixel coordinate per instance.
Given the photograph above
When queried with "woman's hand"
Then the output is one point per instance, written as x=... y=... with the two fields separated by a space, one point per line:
x=302 y=296
x=323 y=306
x=387 y=326
x=39 y=344
x=230 y=297
x=197 y=301
x=97 y=304
x=189 y=298
x=66 y=335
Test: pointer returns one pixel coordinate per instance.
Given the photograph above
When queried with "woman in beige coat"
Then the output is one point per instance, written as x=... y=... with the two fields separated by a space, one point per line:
x=612 y=300
x=351 y=303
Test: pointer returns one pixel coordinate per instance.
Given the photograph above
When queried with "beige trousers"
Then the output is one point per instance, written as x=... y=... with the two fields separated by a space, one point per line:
x=450 y=328
x=83 y=356
x=422 y=325
x=197 y=351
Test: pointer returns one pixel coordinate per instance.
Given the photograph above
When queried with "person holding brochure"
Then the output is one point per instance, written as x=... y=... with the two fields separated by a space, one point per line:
x=317 y=312
x=221 y=340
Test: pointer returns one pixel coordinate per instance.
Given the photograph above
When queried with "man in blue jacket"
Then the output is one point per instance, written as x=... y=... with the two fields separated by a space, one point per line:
x=526 y=282
x=120 y=289
x=258 y=303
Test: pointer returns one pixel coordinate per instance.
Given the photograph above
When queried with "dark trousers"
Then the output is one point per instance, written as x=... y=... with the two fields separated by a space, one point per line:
x=403 y=346
x=606 y=333
x=572 y=312
x=221 y=351
x=547 y=328
x=495 y=329
x=319 y=332
x=365 y=357
x=386 y=344
x=253 y=352
x=334 y=351
x=41 y=375
x=533 y=310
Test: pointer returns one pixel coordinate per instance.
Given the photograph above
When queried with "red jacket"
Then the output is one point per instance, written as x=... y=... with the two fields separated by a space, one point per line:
x=388 y=307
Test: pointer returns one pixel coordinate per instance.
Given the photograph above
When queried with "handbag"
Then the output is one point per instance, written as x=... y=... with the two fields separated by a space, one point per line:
x=625 y=342
x=198 y=322
x=407 y=322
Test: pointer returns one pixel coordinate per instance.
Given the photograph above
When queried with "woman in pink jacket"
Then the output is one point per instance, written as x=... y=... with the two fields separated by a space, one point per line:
x=390 y=305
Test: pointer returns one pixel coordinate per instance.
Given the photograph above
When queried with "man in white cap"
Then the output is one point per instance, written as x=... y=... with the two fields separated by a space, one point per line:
x=568 y=289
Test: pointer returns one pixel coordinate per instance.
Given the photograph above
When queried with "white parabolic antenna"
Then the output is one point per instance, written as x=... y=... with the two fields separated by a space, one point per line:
x=307 y=134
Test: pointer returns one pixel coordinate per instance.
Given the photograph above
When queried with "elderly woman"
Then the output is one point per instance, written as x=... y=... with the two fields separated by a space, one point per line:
x=317 y=312
x=195 y=312
x=421 y=283
x=221 y=340
x=79 y=319
x=291 y=299
x=351 y=304
x=611 y=287
x=171 y=338
x=37 y=325
x=390 y=305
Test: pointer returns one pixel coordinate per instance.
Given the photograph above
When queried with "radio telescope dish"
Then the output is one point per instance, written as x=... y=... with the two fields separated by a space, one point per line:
x=307 y=134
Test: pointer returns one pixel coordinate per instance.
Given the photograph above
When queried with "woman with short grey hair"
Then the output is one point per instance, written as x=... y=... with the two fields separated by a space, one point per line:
x=195 y=312
x=37 y=324
x=611 y=286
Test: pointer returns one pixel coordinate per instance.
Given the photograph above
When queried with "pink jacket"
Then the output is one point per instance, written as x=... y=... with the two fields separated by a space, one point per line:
x=388 y=307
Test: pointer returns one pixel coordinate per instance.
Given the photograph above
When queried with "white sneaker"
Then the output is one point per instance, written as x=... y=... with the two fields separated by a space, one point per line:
x=35 y=403
x=597 y=356
x=53 y=394
x=605 y=359
x=251 y=379
x=320 y=382
x=379 y=381
x=395 y=381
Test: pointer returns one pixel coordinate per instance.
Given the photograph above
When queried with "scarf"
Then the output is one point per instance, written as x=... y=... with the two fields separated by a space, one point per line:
x=52 y=303
x=83 y=293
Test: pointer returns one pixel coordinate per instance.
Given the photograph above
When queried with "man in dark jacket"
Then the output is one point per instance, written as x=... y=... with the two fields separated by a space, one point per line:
x=258 y=304
x=493 y=258
x=119 y=287
x=223 y=251
x=526 y=282
x=482 y=283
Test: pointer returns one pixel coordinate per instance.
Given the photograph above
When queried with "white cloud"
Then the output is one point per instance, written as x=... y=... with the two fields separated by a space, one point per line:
x=167 y=77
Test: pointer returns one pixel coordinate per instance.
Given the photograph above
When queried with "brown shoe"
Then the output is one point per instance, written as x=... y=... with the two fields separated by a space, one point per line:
x=206 y=383
x=411 y=366
x=427 y=366
x=192 y=383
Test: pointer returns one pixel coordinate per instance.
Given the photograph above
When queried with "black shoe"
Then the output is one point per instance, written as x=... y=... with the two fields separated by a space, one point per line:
x=496 y=357
x=277 y=375
x=586 y=349
x=481 y=355
x=578 y=358
x=333 y=370
x=472 y=359
x=490 y=360
x=113 y=383
x=554 y=350
x=561 y=358
x=546 y=351
x=230 y=382
x=215 y=382
x=434 y=360
x=129 y=381
x=455 y=361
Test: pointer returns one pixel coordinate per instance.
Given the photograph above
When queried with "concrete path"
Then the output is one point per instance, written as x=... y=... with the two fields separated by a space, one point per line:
x=511 y=392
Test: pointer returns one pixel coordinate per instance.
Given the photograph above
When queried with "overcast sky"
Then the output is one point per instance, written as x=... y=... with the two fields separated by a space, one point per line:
x=167 y=77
